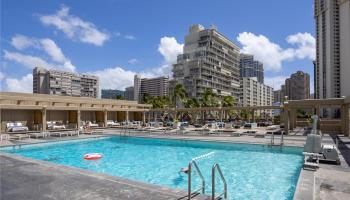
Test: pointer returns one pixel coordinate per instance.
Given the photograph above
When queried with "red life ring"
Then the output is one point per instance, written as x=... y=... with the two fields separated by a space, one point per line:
x=92 y=156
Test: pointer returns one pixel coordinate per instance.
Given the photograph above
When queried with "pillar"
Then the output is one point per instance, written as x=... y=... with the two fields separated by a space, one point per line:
x=253 y=115
x=144 y=117
x=345 y=119
x=292 y=119
x=127 y=116
x=43 y=120
x=221 y=113
x=149 y=116
x=105 y=114
x=286 y=120
x=78 y=118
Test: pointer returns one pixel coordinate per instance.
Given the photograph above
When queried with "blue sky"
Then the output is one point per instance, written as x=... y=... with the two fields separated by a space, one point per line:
x=115 y=39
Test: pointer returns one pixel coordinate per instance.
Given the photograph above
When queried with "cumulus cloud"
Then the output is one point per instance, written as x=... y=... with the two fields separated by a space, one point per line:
x=114 y=78
x=306 y=45
x=119 y=78
x=24 y=84
x=26 y=60
x=272 y=54
x=21 y=42
x=275 y=81
x=75 y=28
x=169 y=48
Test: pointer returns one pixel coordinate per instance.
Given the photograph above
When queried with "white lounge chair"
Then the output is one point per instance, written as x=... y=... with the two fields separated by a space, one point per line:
x=16 y=126
x=39 y=134
x=4 y=137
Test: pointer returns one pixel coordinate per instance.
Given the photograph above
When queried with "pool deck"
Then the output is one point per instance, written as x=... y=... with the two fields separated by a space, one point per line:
x=24 y=177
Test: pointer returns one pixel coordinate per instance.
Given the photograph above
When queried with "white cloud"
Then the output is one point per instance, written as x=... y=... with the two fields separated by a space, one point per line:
x=271 y=54
x=24 y=84
x=264 y=50
x=2 y=76
x=50 y=47
x=305 y=43
x=170 y=48
x=133 y=61
x=26 y=60
x=275 y=81
x=130 y=37
x=22 y=42
x=114 y=78
x=75 y=28
x=46 y=45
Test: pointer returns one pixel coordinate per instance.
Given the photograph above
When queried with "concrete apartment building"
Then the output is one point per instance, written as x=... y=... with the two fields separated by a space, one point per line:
x=158 y=86
x=111 y=94
x=209 y=61
x=297 y=87
x=332 y=66
x=251 y=68
x=56 y=82
x=277 y=96
x=254 y=93
x=129 y=93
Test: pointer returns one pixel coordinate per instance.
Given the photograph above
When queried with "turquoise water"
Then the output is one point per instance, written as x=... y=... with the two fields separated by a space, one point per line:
x=251 y=171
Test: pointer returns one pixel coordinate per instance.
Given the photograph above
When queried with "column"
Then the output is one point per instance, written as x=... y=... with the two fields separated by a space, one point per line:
x=126 y=115
x=292 y=119
x=78 y=119
x=144 y=117
x=105 y=113
x=221 y=113
x=345 y=119
x=149 y=116
x=253 y=114
x=286 y=120
x=43 y=120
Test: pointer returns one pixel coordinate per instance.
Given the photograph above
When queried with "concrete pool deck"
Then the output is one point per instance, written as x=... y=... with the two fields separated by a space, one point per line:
x=322 y=184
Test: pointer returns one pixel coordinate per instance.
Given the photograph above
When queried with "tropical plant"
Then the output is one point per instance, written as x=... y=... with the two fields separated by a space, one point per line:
x=191 y=103
x=156 y=101
x=209 y=99
x=228 y=101
x=245 y=114
x=179 y=94
x=119 y=97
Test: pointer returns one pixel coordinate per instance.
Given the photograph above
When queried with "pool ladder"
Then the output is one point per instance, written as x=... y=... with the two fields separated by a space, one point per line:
x=272 y=142
x=215 y=168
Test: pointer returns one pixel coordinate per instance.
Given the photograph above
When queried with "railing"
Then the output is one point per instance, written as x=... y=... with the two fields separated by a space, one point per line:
x=202 y=188
x=215 y=168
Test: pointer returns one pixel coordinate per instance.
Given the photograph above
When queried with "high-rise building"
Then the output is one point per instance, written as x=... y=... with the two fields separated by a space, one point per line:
x=155 y=86
x=251 y=68
x=111 y=94
x=209 y=61
x=277 y=96
x=332 y=66
x=50 y=81
x=129 y=93
x=297 y=87
x=254 y=93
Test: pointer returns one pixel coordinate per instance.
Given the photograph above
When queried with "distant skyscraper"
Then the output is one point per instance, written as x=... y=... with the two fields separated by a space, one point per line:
x=251 y=68
x=209 y=61
x=111 y=94
x=277 y=96
x=158 y=86
x=129 y=93
x=50 y=81
x=297 y=87
x=254 y=93
x=332 y=67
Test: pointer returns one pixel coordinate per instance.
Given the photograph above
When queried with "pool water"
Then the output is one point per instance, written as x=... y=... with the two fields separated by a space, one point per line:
x=251 y=171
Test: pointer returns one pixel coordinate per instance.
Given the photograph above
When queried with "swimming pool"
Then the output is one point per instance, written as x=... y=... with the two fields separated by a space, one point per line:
x=251 y=171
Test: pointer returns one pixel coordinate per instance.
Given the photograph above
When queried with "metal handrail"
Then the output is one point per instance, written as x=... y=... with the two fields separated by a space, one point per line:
x=194 y=163
x=282 y=139
x=216 y=166
x=272 y=138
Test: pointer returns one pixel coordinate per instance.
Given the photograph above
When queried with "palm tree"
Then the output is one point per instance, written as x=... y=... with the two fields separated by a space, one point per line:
x=228 y=101
x=179 y=94
x=191 y=103
x=209 y=99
